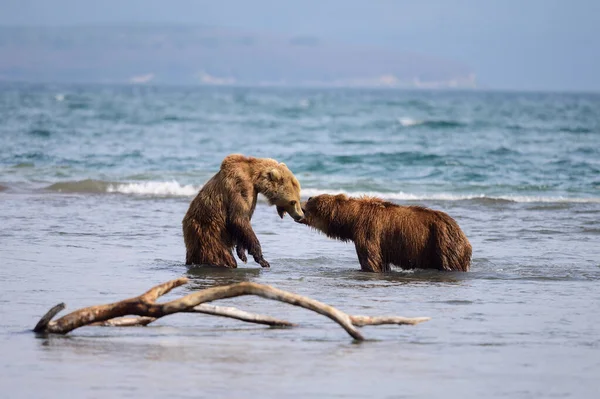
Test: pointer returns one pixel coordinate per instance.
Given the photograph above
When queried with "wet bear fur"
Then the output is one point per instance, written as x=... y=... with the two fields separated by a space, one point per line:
x=218 y=219
x=387 y=234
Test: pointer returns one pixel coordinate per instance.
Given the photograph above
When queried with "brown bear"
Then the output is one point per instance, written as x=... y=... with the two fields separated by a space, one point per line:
x=219 y=217
x=385 y=233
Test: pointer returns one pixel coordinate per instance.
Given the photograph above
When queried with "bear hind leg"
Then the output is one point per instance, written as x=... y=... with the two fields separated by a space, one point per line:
x=229 y=260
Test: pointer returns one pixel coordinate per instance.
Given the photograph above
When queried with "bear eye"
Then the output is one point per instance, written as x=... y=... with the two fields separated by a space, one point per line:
x=292 y=203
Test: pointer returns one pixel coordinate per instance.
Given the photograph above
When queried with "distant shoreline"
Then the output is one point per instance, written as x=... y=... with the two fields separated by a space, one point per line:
x=163 y=85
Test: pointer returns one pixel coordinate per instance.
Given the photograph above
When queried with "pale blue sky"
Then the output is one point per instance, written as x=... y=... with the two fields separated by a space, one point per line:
x=527 y=44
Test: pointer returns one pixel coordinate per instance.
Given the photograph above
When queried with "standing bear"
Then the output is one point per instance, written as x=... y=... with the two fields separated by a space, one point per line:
x=219 y=217
x=385 y=233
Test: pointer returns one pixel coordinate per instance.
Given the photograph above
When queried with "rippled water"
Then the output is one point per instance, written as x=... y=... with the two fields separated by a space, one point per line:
x=94 y=182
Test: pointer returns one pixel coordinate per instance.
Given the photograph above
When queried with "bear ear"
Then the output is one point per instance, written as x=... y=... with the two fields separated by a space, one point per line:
x=282 y=164
x=274 y=175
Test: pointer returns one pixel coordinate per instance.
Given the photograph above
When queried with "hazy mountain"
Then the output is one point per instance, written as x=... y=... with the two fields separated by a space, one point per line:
x=211 y=56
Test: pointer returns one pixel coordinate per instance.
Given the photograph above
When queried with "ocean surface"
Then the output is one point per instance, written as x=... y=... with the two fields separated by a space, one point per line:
x=95 y=180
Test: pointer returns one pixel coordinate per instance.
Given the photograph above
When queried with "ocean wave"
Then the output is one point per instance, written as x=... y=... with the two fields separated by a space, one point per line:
x=40 y=132
x=402 y=196
x=575 y=129
x=409 y=122
x=387 y=158
x=440 y=124
x=544 y=128
x=81 y=186
x=176 y=189
x=151 y=188
x=24 y=165
x=171 y=188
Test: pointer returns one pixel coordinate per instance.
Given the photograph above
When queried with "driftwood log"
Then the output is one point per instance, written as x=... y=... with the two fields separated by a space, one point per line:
x=147 y=310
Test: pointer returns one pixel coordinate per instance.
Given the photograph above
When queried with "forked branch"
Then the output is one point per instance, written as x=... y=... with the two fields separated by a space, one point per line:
x=146 y=307
x=224 y=311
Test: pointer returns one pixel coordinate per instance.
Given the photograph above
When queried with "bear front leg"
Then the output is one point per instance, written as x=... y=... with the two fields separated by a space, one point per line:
x=242 y=231
x=369 y=256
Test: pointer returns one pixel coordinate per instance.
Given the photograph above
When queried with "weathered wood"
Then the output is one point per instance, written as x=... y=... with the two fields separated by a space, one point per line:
x=361 y=321
x=234 y=313
x=125 y=322
x=43 y=323
x=146 y=307
x=223 y=311
x=264 y=291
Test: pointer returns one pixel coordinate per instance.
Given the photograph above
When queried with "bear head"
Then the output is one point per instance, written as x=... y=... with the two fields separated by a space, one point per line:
x=282 y=189
x=325 y=213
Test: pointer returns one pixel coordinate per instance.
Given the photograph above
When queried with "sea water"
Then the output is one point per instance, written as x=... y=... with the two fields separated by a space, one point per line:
x=95 y=180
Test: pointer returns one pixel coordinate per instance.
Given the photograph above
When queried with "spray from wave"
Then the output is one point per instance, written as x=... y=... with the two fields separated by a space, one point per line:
x=151 y=188
x=171 y=188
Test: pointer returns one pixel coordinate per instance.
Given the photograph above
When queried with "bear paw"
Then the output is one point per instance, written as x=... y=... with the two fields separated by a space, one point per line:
x=241 y=253
x=263 y=262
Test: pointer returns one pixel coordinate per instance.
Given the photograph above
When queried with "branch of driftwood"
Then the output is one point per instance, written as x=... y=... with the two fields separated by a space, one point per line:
x=147 y=310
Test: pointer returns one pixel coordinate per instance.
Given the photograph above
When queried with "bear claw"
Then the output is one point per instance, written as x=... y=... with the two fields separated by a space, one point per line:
x=241 y=254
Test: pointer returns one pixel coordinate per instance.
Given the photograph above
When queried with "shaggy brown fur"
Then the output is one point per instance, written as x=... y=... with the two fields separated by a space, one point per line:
x=385 y=233
x=219 y=217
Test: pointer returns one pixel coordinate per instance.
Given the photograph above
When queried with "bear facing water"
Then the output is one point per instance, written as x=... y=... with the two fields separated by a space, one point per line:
x=387 y=234
x=218 y=219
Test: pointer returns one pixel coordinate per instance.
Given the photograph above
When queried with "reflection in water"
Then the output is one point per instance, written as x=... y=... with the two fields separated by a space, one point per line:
x=200 y=345
x=147 y=344
x=404 y=276
x=210 y=276
x=202 y=277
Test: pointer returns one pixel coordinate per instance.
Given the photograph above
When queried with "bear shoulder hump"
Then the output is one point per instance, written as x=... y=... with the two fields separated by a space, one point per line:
x=232 y=160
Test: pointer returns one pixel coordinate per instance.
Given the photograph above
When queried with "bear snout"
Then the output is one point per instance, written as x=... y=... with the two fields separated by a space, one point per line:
x=302 y=221
x=304 y=218
x=292 y=208
x=299 y=215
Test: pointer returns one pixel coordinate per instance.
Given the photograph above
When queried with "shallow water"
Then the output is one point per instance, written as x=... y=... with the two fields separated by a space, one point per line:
x=94 y=187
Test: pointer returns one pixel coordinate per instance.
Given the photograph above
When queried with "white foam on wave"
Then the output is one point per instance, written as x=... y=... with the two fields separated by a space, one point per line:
x=59 y=97
x=175 y=189
x=304 y=103
x=409 y=122
x=402 y=196
x=171 y=188
x=521 y=198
